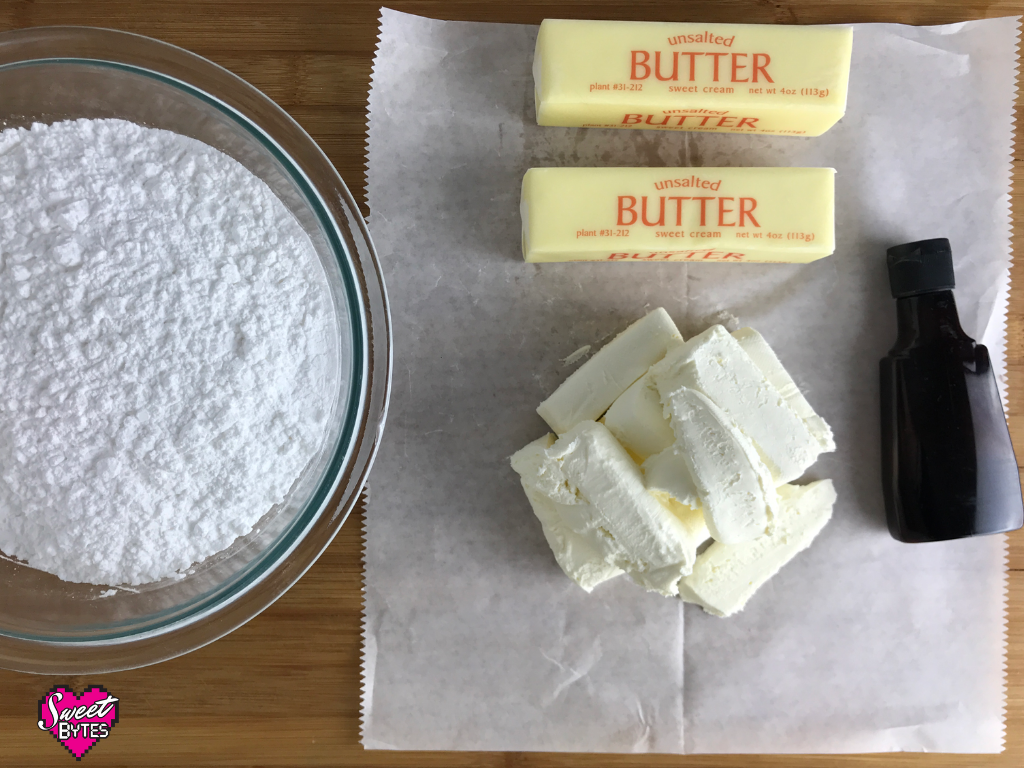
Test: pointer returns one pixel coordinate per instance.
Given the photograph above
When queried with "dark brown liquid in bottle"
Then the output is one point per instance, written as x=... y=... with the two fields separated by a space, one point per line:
x=948 y=468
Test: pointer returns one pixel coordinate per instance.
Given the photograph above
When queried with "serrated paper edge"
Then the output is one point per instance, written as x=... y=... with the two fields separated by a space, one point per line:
x=368 y=645
x=1002 y=307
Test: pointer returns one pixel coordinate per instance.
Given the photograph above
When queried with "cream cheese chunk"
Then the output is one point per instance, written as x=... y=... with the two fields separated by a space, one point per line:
x=668 y=480
x=638 y=422
x=668 y=476
x=696 y=534
x=741 y=78
x=764 y=357
x=596 y=384
x=692 y=519
x=604 y=503
x=579 y=554
x=714 y=364
x=539 y=472
x=727 y=575
x=736 y=491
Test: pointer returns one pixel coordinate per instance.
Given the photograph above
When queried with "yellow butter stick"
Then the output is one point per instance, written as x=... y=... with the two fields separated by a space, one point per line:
x=732 y=215
x=736 y=78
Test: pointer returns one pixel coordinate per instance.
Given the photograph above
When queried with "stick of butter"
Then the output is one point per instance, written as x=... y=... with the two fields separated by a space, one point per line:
x=731 y=215
x=726 y=576
x=736 y=78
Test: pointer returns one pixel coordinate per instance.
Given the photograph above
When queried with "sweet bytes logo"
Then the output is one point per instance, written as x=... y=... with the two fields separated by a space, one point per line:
x=78 y=722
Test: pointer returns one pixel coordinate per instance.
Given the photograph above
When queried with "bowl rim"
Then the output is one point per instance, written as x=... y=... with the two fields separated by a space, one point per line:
x=264 y=579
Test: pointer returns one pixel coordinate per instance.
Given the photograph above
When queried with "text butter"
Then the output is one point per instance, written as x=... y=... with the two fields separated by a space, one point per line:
x=737 y=78
x=730 y=215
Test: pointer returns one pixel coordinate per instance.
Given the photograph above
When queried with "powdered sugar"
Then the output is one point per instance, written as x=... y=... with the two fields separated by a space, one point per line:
x=165 y=328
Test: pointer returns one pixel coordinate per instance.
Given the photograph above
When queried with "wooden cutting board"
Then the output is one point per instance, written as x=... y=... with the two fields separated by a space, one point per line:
x=284 y=689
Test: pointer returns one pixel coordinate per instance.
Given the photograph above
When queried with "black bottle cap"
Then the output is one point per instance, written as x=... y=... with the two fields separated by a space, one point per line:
x=921 y=267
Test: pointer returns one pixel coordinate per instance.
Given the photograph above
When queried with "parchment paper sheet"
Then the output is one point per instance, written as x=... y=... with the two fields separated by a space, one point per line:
x=474 y=639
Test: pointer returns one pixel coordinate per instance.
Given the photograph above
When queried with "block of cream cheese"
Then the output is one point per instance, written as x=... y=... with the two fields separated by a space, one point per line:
x=737 y=78
x=726 y=576
x=728 y=215
x=601 y=497
x=764 y=357
x=715 y=364
x=596 y=384
x=638 y=421
x=735 y=488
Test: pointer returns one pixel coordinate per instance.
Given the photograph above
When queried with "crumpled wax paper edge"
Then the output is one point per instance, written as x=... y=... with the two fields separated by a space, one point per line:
x=368 y=646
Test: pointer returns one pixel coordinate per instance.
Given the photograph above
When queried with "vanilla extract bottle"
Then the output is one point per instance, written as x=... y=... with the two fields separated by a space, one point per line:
x=948 y=467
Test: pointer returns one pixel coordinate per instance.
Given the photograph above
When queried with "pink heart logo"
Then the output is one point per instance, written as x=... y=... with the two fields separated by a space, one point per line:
x=78 y=722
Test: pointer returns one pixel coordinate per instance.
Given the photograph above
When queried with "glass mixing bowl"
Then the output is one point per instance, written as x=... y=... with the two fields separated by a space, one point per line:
x=58 y=73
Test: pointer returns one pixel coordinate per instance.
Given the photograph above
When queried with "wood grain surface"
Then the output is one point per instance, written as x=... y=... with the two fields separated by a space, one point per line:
x=284 y=689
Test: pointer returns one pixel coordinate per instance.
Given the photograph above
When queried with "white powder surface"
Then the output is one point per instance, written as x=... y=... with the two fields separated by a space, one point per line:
x=166 y=350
